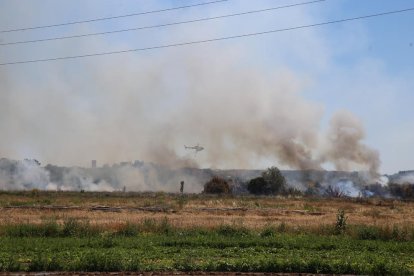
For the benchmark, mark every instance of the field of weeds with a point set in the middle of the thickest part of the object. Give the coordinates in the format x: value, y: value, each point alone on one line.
x: 199, y: 210
x: 50, y: 231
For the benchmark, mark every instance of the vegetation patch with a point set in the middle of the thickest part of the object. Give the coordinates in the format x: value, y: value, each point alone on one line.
x: 352, y: 238
x: 211, y: 251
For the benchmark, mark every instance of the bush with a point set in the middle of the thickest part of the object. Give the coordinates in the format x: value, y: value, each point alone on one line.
x: 368, y: 233
x: 46, y: 229
x: 404, y: 191
x: 231, y: 230
x: 271, y: 182
x: 341, y: 219
x: 217, y: 185
x: 74, y: 228
x: 257, y: 186
x: 70, y: 227
x: 275, y: 180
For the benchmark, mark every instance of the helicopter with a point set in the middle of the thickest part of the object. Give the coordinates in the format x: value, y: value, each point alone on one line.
x: 196, y: 148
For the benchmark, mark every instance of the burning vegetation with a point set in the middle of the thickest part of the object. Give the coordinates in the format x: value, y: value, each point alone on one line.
x: 141, y: 176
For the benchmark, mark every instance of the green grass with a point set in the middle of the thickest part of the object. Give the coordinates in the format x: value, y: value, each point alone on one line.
x: 224, y: 249
x: 82, y: 228
x: 50, y: 228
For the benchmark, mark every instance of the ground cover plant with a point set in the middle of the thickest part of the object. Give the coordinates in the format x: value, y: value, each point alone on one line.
x: 158, y: 246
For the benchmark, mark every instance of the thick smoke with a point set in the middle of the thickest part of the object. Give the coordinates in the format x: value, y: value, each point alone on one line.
x: 138, y: 176
x: 344, y: 147
x: 22, y: 175
x: 148, y: 105
x: 141, y: 176
x: 149, y: 110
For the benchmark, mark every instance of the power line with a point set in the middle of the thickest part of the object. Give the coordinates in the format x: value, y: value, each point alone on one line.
x: 161, y: 25
x: 209, y: 40
x: 111, y: 17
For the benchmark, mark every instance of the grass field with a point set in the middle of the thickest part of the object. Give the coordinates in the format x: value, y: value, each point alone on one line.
x: 50, y: 231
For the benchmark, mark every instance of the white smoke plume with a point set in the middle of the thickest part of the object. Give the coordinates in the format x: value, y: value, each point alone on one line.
x: 147, y: 105
x: 28, y: 175
x: 149, y: 110
x: 344, y: 147
x: 348, y: 188
x: 22, y: 175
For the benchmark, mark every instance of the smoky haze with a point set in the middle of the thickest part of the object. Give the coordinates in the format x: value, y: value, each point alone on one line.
x: 124, y: 110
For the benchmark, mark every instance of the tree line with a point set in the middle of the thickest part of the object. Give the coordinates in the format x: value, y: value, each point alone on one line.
x: 271, y: 182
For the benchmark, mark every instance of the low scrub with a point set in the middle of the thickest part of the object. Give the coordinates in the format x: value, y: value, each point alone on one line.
x: 76, y: 228
x: 48, y: 229
x: 217, y: 185
x: 385, y: 233
x: 232, y: 231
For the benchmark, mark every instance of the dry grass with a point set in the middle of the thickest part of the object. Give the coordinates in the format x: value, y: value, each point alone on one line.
x: 193, y: 210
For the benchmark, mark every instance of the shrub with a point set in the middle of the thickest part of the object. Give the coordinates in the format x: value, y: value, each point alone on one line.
x: 368, y: 233
x: 341, y: 219
x: 70, y: 227
x: 271, y: 182
x: 257, y: 186
x: 217, y: 185
x: 404, y: 191
x: 74, y: 228
x: 232, y: 230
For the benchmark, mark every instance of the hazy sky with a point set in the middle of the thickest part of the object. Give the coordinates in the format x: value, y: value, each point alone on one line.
x: 364, y: 67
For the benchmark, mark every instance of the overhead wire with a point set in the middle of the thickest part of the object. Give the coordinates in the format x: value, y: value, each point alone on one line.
x: 210, y: 40
x: 111, y: 17
x: 162, y: 25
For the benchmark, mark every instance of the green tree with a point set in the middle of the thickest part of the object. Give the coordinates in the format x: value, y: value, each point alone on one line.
x: 257, y: 186
x: 276, y: 182
x: 271, y: 182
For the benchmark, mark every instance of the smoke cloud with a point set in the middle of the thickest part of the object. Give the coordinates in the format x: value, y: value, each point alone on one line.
x: 126, y: 110
x: 20, y: 175
x: 148, y: 105
x: 138, y: 176
x: 344, y: 146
